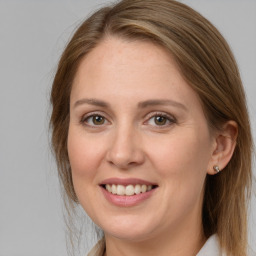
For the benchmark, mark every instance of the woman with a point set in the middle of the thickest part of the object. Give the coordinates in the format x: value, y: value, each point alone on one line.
x: 151, y: 132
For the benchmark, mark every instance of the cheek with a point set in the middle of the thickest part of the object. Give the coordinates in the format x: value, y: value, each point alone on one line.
x: 182, y: 162
x: 84, y: 156
x: 182, y: 167
x: 180, y: 154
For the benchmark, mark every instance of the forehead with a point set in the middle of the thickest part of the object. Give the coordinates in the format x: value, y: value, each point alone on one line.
x: 114, y: 57
x: 122, y: 54
x: 138, y: 69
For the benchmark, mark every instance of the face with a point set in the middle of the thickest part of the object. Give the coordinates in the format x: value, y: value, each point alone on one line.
x: 138, y: 142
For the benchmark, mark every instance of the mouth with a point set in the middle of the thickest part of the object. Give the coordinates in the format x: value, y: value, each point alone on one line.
x: 128, y: 190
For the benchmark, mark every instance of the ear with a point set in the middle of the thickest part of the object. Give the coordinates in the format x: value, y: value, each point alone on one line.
x: 223, y: 146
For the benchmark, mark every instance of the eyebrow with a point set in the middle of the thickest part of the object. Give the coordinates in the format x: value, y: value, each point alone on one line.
x: 93, y: 102
x: 156, y: 102
x: 143, y: 104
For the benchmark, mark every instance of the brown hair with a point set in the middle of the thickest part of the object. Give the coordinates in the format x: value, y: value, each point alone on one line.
x: 207, y: 64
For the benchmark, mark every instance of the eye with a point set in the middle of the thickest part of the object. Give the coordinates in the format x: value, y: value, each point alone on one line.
x: 94, y: 120
x: 160, y: 120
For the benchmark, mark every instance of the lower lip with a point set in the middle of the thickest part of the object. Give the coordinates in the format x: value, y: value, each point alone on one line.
x: 126, y: 201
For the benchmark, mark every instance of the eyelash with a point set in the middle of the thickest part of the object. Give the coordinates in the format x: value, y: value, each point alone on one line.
x: 168, y: 118
x: 84, y: 119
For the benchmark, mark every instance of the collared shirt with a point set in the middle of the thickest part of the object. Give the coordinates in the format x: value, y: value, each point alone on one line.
x: 210, y: 248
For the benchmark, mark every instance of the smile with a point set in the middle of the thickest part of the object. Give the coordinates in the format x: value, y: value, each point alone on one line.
x: 128, y: 190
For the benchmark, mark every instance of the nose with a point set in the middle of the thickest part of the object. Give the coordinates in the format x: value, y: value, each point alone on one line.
x: 125, y: 150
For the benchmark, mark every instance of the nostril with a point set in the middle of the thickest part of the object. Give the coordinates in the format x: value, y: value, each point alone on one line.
x: 122, y: 164
x: 124, y: 153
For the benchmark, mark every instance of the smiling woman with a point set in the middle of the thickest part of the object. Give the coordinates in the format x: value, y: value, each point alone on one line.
x: 151, y: 132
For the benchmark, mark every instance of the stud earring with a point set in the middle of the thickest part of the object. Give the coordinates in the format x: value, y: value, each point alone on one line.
x: 216, y: 168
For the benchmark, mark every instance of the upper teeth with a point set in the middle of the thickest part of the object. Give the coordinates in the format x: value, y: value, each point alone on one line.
x: 127, y: 190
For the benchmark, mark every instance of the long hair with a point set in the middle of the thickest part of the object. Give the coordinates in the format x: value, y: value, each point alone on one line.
x: 207, y: 64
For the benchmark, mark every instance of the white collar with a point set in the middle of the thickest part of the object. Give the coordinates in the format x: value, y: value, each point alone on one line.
x: 211, y: 247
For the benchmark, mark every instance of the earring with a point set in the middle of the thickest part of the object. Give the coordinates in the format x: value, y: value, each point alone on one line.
x: 216, y: 168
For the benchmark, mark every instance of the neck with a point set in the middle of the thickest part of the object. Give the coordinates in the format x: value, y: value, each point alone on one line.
x: 173, y: 244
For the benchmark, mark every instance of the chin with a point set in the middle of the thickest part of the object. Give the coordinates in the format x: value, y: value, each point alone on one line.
x: 128, y: 235
x: 131, y: 230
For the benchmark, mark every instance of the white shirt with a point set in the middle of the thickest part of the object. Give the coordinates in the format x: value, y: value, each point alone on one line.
x: 211, y: 247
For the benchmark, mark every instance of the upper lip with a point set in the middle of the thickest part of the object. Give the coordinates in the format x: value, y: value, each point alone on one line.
x: 126, y: 182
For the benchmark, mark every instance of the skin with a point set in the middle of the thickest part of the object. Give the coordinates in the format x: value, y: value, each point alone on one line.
x: 127, y: 142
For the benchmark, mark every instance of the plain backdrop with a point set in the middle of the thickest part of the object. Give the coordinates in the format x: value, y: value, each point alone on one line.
x: 32, y: 37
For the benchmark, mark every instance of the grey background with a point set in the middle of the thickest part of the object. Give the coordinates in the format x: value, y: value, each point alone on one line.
x: 32, y: 37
